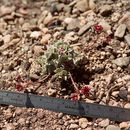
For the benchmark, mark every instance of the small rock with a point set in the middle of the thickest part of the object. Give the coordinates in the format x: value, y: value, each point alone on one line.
x: 70, y: 37
x: 82, y: 5
x: 127, y: 38
x: 21, y: 121
x: 26, y: 27
x: 105, y: 10
x: 104, y: 123
x: 112, y: 127
x: 7, y: 38
x: 73, y: 126
x: 89, y: 100
x: 18, y: 111
x: 115, y: 93
x: 60, y: 7
x: 1, y: 67
x: 115, y: 17
x: 122, y: 61
x: 85, y: 28
x: 92, y: 5
x: 48, y: 19
x: 53, y: 8
x: 83, y: 122
x: 23, y: 11
x: 10, y: 126
x: 21, y: 21
x: 40, y: 114
x: 123, y: 94
x: 27, y: 65
x: 51, y: 92
x: 8, y: 113
x: 34, y: 77
x: 126, y: 20
x: 5, y: 10
x: 89, y: 128
x: 15, y: 41
x: 123, y: 125
x: 120, y: 31
x: 45, y: 39
x: 73, y: 24
x: 35, y: 34
x: 60, y: 115
x: 105, y: 25
x: 38, y: 50
x: 127, y: 105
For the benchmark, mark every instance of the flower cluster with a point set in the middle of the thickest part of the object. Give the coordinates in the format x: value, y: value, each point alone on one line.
x: 98, y: 28
x: 85, y: 91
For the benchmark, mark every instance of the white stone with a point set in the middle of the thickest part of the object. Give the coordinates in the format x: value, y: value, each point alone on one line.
x: 36, y: 34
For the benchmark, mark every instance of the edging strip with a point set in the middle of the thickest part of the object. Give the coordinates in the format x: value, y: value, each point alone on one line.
x: 64, y: 106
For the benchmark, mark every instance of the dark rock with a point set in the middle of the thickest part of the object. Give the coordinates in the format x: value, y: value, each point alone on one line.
x: 53, y: 8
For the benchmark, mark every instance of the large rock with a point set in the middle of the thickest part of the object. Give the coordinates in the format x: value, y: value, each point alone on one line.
x: 120, y: 31
x: 126, y: 20
x: 122, y: 61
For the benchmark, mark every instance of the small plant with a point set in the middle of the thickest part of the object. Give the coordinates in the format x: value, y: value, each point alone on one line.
x: 60, y: 59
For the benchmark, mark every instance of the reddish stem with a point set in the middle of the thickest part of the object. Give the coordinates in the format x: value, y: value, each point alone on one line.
x: 33, y: 83
x: 76, y: 88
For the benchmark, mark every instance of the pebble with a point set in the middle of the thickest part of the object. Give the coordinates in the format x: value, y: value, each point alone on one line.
x: 21, y: 121
x: 115, y: 17
x: 123, y: 125
x: 104, y: 123
x: 120, y: 31
x: 10, y: 126
x: 127, y: 38
x: 48, y: 19
x: 112, y: 127
x: 85, y: 28
x: 53, y: 8
x: 73, y: 126
x: 92, y: 5
x: 122, y: 61
x: 73, y: 24
x: 89, y: 128
x: 45, y: 39
x: 115, y: 93
x: 82, y: 5
x: 18, y: 111
x: 83, y: 122
x: 35, y: 34
x: 5, y: 10
x: 51, y: 92
x: 38, y: 50
x: 7, y: 38
x: 127, y: 105
x: 34, y: 77
x: 40, y: 114
x: 105, y: 10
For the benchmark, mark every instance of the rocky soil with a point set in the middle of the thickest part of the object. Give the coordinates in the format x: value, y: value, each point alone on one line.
x: 27, y: 26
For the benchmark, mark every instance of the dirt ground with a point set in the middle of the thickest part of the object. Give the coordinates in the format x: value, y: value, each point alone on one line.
x: 28, y: 26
